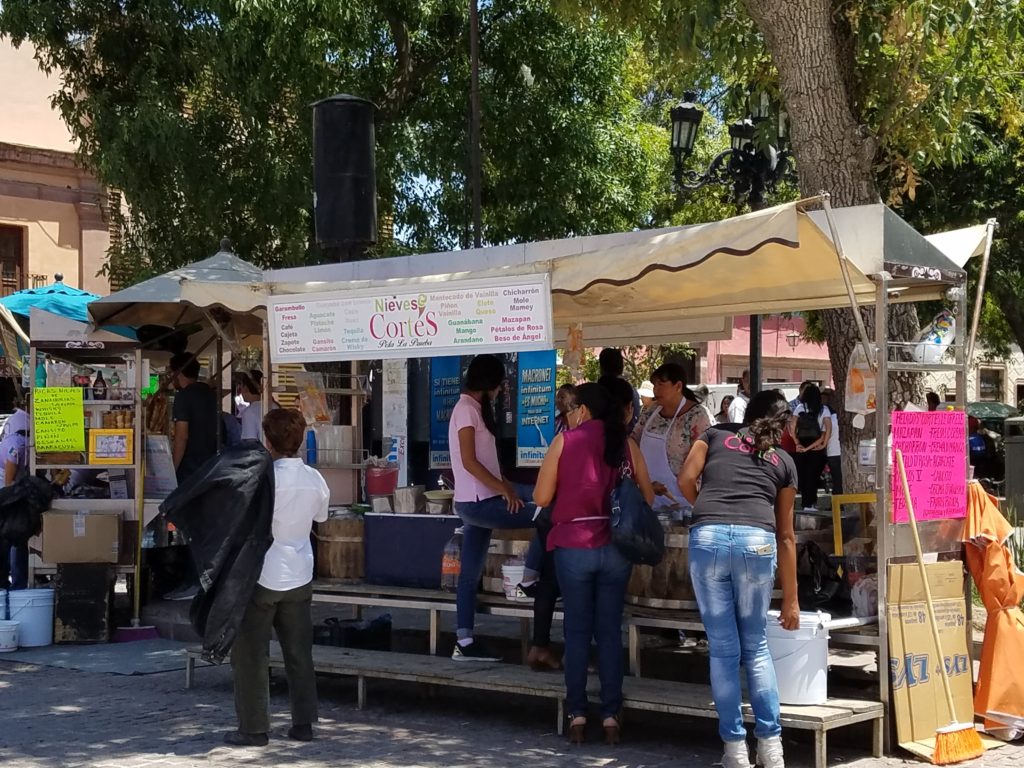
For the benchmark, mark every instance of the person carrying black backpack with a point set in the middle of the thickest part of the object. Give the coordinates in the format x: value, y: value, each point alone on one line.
x: 811, y: 427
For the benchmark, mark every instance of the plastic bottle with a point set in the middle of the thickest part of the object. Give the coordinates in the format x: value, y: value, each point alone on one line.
x: 115, y: 386
x: 451, y: 562
x: 26, y: 372
x: 99, y: 387
x: 41, y: 372
x: 311, y: 456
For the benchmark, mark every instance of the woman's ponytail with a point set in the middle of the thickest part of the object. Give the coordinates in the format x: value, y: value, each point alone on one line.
x: 766, y: 418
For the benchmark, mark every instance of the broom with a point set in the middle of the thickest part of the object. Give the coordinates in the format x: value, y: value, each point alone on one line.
x: 955, y: 742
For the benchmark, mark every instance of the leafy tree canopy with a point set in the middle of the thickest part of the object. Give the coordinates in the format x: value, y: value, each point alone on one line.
x: 199, y: 113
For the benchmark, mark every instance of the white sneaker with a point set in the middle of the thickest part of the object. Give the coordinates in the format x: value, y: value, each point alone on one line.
x: 736, y: 755
x: 769, y: 752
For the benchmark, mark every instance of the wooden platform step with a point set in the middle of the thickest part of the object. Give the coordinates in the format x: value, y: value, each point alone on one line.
x: 640, y: 693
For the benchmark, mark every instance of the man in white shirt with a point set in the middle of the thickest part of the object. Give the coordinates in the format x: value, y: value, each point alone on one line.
x: 738, y: 407
x: 283, y: 594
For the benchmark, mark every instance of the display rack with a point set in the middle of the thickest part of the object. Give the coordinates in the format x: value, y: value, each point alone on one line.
x: 67, y: 341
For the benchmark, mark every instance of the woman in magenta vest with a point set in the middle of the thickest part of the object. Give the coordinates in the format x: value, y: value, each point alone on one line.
x: 579, y: 472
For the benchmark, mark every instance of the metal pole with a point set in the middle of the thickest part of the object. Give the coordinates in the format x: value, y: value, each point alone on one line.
x: 755, y: 355
x: 475, y: 160
x: 979, y: 299
x: 885, y: 530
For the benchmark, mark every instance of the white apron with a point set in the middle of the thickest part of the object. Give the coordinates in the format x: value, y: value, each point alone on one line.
x: 654, y: 448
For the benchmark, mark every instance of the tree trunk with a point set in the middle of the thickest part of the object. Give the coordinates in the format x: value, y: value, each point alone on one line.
x: 811, y: 47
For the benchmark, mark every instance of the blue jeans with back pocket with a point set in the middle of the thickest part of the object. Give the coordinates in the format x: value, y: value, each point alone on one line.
x: 733, y: 569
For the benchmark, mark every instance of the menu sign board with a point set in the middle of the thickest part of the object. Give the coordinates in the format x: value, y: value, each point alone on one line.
x: 934, y: 446
x: 58, y: 419
x: 463, y: 318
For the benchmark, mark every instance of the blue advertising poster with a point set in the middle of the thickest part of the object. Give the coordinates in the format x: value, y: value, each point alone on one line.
x: 536, y: 413
x: 445, y: 385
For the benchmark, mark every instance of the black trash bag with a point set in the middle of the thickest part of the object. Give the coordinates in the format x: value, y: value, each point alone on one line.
x: 373, y: 635
x: 820, y: 583
x: 636, y: 529
x: 21, y: 509
x: 225, y: 509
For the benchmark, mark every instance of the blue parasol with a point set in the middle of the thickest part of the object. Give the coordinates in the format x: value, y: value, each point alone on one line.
x: 57, y: 298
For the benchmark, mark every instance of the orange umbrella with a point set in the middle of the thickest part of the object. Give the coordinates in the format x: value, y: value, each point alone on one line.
x: 999, y: 697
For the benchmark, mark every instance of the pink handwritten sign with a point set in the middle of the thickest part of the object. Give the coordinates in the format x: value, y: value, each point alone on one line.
x: 934, y: 446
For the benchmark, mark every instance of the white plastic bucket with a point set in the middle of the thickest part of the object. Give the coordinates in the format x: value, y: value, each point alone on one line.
x: 33, y: 610
x: 511, y: 577
x: 800, y: 658
x: 8, y: 636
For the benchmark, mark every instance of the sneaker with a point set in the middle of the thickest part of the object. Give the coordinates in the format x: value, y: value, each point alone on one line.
x: 239, y: 739
x: 528, y: 590
x: 769, y: 752
x: 301, y: 732
x: 522, y: 596
x: 473, y: 652
x: 183, y: 593
x: 736, y: 755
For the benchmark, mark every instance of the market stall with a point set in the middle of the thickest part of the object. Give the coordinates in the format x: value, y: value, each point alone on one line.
x: 645, y: 287
x: 85, y: 436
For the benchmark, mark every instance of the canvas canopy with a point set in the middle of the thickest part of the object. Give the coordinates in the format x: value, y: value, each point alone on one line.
x: 224, y: 285
x: 681, y: 282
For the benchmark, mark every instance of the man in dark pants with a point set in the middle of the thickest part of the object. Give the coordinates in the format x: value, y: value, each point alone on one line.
x: 283, y: 595
x: 195, y: 440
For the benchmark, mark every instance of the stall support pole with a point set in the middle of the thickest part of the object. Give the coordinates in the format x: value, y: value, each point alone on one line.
x: 755, y: 377
x: 268, y: 373
x: 883, y: 526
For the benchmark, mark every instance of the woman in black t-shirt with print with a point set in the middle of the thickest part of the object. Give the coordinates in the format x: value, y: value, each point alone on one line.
x: 742, y: 525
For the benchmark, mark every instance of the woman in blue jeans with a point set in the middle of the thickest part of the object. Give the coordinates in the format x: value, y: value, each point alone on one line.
x: 743, y: 525
x: 483, y: 498
x: 579, y: 472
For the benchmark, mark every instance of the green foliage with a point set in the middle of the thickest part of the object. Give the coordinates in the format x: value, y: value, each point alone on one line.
x: 199, y: 113
x: 638, y: 362
x: 985, y: 186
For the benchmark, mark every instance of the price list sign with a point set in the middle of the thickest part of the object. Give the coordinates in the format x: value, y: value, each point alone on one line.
x: 934, y: 446
x: 58, y: 419
x: 459, y: 318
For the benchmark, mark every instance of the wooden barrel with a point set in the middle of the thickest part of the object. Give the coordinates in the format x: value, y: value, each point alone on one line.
x: 339, y: 548
x: 505, y: 545
x: 667, y: 584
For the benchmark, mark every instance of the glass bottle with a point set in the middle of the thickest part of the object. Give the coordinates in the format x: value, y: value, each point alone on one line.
x: 99, y: 387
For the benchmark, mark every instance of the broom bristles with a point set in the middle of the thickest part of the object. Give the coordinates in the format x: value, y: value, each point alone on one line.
x: 956, y: 743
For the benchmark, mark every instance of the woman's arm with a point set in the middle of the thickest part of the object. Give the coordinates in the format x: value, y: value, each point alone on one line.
x: 640, y: 473
x: 467, y: 447
x: 785, y: 541
x: 10, y: 473
x: 692, y: 470
x: 826, y: 434
x: 547, y: 478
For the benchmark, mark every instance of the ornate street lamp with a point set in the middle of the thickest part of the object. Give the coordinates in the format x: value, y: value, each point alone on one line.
x: 792, y: 338
x: 748, y: 168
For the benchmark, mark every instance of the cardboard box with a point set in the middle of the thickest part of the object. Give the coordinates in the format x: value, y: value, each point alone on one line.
x: 918, y: 700
x: 81, y: 537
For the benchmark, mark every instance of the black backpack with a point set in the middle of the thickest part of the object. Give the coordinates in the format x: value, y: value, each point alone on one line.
x: 808, y: 430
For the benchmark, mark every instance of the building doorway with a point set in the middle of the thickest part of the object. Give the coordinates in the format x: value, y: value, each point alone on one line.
x: 12, y: 259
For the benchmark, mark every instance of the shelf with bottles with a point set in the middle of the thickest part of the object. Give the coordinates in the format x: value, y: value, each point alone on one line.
x: 101, y: 383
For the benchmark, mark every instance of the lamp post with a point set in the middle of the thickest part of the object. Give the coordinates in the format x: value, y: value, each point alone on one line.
x: 750, y: 167
x: 792, y: 338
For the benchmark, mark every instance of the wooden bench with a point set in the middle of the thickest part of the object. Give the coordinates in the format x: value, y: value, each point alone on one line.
x: 640, y: 694
x: 435, y: 602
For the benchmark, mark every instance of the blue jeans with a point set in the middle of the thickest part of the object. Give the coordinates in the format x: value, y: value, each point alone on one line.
x: 13, y: 564
x: 732, y: 568
x: 593, y: 584
x: 479, y: 518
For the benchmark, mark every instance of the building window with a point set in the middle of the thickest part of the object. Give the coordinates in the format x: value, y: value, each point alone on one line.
x: 991, y: 384
x: 12, y: 256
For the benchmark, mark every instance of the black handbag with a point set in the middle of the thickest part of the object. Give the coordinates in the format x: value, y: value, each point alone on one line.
x: 636, y: 529
x: 820, y: 583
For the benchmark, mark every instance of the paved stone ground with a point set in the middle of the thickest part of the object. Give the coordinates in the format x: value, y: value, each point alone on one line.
x: 57, y: 718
